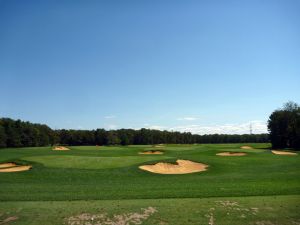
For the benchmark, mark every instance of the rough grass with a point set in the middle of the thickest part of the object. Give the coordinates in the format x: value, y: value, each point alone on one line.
x: 267, y: 210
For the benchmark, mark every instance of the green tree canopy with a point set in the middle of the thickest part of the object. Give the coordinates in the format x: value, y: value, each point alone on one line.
x: 284, y: 126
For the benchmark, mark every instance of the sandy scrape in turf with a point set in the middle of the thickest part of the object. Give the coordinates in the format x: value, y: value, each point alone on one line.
x: 246, y: 147
x: 104, y: 219
x: 231, y: 209
x: 151, y: 152
x: 8, y: 219
x: 234, y: 206
x: 231, y: 154
x: 264, y: 222
x: 60, y: 148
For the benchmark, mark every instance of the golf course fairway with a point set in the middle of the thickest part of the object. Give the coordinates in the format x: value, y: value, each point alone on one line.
x: 104, y: 185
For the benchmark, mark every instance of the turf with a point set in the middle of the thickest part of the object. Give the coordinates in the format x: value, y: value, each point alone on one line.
x: 267, y: 210
x: 101, y: 174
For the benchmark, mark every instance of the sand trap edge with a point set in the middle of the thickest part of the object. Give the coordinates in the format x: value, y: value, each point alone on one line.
x: 151, y: 153
x: 15, y: 169
x: 246, y: 147
x: 60, y: 148
x: 283, y: 153
x: 231, y: 154
x: 8, y: 164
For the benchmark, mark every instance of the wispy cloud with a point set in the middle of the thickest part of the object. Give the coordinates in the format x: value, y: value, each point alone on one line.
x: 188, y: 118
x: 237, y: 128
x: 109, y: 117
x: 243, y: 128
x: 111, y: 126
x: 157, y: 127
x: 152, y: 127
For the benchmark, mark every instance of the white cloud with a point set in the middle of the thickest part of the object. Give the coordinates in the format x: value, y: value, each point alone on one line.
x: 188, y: 118
x: 157, y: 127
x: 258, y: 127
x: 244, y: 128
x: 111, y: 126
x: 109, y: 117
x: 148, y: 126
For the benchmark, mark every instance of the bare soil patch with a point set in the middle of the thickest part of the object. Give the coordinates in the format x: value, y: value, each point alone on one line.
x: 231, y: 154
x: 8, y: 219
x: 9, y: 164
x: 60, y: 148
x: 151, y: 152
x: 283, y: 153
x: 181, y: 167
x: 246, y: 147
x: 15, y: 169
x: 117, y: 219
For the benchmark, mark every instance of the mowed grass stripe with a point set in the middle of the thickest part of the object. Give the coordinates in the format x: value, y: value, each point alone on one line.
x: 89, y: 162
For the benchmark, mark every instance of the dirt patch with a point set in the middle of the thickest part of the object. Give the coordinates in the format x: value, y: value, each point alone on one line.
x: 15, y: 169
x: 231, y: 154
x: 5, y: 165
x: 181, y: 167
x: 283, y: 153
x: 8, y: 219
x: 60, y: 148
x: 246, y: 147
x: 103, y: 218
x: 151, y: 152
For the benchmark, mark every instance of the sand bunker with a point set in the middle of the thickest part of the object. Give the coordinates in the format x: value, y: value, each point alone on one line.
x: 246, y: 147
x: 60, y: 148
x: 182, y: 167
x: 231, y: 154
x: 283, y: 153
x: 12, y: 167
x: 4, y: 165
x: 151, y: 152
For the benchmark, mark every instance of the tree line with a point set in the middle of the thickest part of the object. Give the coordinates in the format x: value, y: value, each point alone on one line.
x: 17, y: 133
x: 284, y: 126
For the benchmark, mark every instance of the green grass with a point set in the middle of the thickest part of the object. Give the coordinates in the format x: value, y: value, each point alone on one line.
x: 267, y: 210
x: 110, y: 175
x: 90, y: 162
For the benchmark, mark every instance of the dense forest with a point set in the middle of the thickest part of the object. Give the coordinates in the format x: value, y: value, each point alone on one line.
x: 16, y: 133
x: 284, y: 126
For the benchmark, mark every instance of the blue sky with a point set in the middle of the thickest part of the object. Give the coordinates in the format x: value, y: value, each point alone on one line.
x: 199, y: 66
